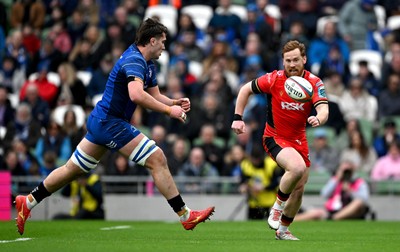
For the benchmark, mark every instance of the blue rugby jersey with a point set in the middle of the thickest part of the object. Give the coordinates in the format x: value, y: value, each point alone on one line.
x: 115, y: 102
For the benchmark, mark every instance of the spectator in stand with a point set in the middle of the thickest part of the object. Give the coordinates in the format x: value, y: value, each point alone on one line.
x: 15, y: 49
x: 180, y: 67
x: 185, y: 23
x: 24, y: 127
x: 211, y: 111
x: 259, y: 181
x: 6, y: 110
x: 224, y: 19
x: 178, y: 155
x: 214, y: 150
x: 357, y: 22
x: 334, y: 85
x: 257, y: 22
x: 30, y: 40
x: 221, y: 61
x: 232, y: 159
x: 342, y: 140
x: 134, y: 10
x: 47, y: 90
x: 330, y: 7
x: 99, y: 78
x: 11, y: 164
x: 335, y: 62
x: 60, y: 37
x: 48, y: 55
x: 296, y: 31
x: 25, y: 157
x: 71, y: 128
x: 321, y: 45
x: 11, y: 76
x: 324, y: 157
x: 72, y: 90
x: 86, y: 194
x: 27, y: 11
x: 57, y: 15
x: 387, y: 167
x: 304, y: 12
x: 159, y: 135
x: 90, y: 10
x: 382, y: 141
x: 363, y: 155
x: 76, y: 26
x: 389, y: 98
x: 346, y: 195
x: 56, y: 141
x: 127, y: 28
x: 370, y: 82
x: 39, y: 107
x: 87, y: 52
x: 393, y: 66
x: 198, y: 167
x: 113, y: 35
x: 357, y: 103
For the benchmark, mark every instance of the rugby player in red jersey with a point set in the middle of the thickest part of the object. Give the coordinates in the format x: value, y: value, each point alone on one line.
x: 284, y: 136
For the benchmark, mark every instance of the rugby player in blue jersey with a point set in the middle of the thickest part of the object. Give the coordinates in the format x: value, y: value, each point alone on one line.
x: 131, y: 82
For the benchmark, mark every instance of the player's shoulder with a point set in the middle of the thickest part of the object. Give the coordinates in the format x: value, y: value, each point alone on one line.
x: 312, y: 78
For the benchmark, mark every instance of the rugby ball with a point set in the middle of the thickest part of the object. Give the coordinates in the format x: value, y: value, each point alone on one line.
x: 299, y: 89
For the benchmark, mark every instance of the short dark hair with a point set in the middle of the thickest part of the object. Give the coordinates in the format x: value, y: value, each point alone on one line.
x: 148, y: 29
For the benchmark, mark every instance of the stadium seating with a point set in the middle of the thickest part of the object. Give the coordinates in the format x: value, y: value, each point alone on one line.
x: 58, y: 114
x: 200, y: 14
x: 374, y: 59
x: 168, y: 16
x: 84, y: 76
x: 393, y: 22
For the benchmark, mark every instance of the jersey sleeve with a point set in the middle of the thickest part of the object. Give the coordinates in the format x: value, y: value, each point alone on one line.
x: 264, y: 83
x: 134, y: 69
x: 319, y: 93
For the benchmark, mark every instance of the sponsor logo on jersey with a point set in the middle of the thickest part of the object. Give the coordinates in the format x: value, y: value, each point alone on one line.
x: 111, y: 145
x: 292, y: 105
x: 321, y: 92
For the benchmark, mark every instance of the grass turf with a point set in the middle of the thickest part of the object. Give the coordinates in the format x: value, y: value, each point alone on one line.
x: 94, y: 236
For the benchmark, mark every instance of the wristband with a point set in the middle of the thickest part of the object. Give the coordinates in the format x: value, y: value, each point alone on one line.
x: 167, y: 110
x: 174, y: 102
x: 237, y: 117
x: 319, y: 122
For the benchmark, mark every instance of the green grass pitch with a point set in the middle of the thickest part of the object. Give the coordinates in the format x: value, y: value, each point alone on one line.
x: 94, y: 236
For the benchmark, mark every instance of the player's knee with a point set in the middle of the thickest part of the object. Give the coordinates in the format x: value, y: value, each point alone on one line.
x: 143, y: 151
x: 83, y: 160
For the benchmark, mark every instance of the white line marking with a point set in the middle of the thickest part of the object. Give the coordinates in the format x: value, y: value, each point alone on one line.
x: 16, y: 240
x: 116, y: 227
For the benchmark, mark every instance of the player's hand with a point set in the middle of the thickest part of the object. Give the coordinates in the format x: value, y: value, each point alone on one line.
x: 177, y: 112
x: 184, y: 103
x: 313, y: 121
x: 238, y: 127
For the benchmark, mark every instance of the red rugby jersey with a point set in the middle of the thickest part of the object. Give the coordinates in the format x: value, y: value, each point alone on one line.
x: 287, y: 118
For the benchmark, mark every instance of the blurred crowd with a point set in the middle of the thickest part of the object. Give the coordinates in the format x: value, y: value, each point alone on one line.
x: 56, y: 56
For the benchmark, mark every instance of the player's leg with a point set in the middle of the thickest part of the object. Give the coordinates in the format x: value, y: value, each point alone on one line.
x: 145, y: 152
x: 291, y: 189
x: 84, y: 159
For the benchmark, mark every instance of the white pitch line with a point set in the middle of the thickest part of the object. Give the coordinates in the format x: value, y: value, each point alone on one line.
x: 114, y: 228
x: 16, y: 240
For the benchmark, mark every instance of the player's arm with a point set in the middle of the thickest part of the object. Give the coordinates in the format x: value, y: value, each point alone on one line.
x: 322, y: 115
x: 145, y: 100
x: 183, y: 102
x: 245, y: 91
